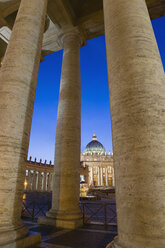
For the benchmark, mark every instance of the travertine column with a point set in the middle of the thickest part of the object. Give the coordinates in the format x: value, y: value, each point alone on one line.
x: 98, y: 176
x: 34, y: 181
x: 113, y: 178
x: 28, y: 181
x: 137, y: 97
x: 48, y: 182
x: 51, y: 181
x: 18, y: 77
x: 91, y: 177
x: 39, y: 182
x: 101, y: 176
x: 44, y: 182
x: 65, y: 210
x: 106, y: 176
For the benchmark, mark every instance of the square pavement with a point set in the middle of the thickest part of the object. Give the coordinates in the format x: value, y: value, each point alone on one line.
x: 86, y: 237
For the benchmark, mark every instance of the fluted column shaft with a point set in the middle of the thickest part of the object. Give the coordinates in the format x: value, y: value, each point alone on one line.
x: 18, y: 77
x: 66, y: 181
x: 137, y: 99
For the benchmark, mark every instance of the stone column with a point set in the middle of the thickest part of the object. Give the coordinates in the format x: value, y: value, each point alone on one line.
x: 39, y: 182
x: 91, y: 177
x: 31, y: 180
x: 137, y: 99
x: 18, y: 77
x: 28, y: 181
x: 65, y: 210
x: 51, y: 181
x: 44, y: 181
x: 34, y: 181
x: 106, y: 176
x: 101, y: 176
x: 48, y: 182
x: 113, y: 178
x: 98, y: 176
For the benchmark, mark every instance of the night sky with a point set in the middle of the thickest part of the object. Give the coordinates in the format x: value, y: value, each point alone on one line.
x: 95, y: 110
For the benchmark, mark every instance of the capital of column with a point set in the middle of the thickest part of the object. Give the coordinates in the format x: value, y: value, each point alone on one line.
x: 47, y: 23
x: 72, y: 35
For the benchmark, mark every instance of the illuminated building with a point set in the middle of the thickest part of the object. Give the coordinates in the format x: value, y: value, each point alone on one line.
x: 96, y: 169
x: 99, y: 163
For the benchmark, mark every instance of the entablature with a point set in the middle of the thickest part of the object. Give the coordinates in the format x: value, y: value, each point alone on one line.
x: 86, y: 14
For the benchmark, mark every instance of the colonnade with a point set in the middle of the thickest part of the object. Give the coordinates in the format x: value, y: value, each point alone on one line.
x: 18, y: 79
x: 137, y: 96
x: 101, y: 176
x: 137, y: 100
x: 38, y: 181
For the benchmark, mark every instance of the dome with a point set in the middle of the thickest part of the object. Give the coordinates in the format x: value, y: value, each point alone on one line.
x: 94, y: 147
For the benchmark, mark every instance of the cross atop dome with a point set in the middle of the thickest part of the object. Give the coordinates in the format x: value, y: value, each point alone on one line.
x: 94, y: 137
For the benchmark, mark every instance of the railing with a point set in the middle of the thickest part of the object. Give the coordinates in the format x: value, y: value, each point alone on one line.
x: 100, y: 213
x: 97, y: 213
x: 35, y: 208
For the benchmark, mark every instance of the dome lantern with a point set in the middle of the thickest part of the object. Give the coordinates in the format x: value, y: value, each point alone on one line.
x: 94, y: 137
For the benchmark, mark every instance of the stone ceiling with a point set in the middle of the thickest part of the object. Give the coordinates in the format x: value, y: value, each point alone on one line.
x: 87, y: 14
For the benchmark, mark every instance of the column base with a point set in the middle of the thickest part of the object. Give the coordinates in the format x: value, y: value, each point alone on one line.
x: 63, y: 219
x: 61, y: 223
x: 19, y: 238
x: 29, y: 241
x: 114, y: 243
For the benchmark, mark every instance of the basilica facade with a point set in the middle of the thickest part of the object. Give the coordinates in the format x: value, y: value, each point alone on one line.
x: 96, y: 169
x: 99, y: 164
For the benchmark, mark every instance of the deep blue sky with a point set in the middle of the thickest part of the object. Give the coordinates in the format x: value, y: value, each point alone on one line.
x: 95, y: 97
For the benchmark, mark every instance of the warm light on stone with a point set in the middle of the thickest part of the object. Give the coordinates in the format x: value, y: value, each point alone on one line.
x: 18, y: 78
x: 137, y: 99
